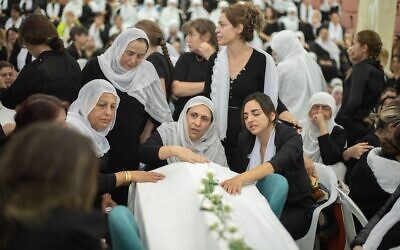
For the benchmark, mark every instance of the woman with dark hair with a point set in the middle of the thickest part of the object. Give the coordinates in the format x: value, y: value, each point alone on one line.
x: 54, y: 72
x: 79, y: 36
x: 238, y: 70
x: 362, y: 88
x: 139, y: 89
x: 190, y: 69
x: 48, y: 180
x: 271, y: 24
x: 266, y: 147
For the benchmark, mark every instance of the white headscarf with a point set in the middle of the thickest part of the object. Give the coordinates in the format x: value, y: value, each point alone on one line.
x: 197, y: 10
x: 386, y: 171
x: 299, y: 75
x: 291, y: 22
x: 220, y: 86
x: 310, y: 132
x: 330, y: 47
x: 80, y: 109
x: 142, y: 82
x: 170, y: 15
x: 176, y: 133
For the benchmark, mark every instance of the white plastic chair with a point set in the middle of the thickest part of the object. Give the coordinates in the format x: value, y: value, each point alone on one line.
x: 327, y: 178
x: 349, y: 208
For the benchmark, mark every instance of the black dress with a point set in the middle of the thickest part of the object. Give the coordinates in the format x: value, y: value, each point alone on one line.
x: 148, y: 152
x: 331, y: 146
x: 52, y: 73
x: 72, y: 51
x: 360, y: 95
x: 329, y: 72
x: 124, y: 138
x: 288, y: 161
x: 188, y: 68
x: 249, y: 80
x: 161, y: 65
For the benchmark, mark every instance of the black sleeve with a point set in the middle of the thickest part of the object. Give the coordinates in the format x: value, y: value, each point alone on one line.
x: 288, y: 154
x: 90, y: 71
x: 107, y: 183
x: 359, y: 78
x: 331, y: 146
x: 158, y: 65
x: 148, y: 152
x: 209, y: 73
x: 23, y: 87
x: 362, y: 236
x: 281, y: 107
x: 181, y: 68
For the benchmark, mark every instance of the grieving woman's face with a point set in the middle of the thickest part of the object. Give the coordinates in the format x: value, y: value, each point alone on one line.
x: 134, y: 53
x: 198, y: 119
x: 325, y: 110
x: 256, y: 121
x: 103, y: 112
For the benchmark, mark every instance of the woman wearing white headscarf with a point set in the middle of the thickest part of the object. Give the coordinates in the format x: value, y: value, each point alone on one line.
x: 197, y: 10
x: 170, y: 15
x: 148, y: 11
x: 323, y: 139
x: 193, y: 138
x: 93, y: 114
x: 139, y: 89
x: 299, y: 75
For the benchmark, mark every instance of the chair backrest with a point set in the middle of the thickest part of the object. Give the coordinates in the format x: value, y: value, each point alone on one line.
x: 274, y: 187
x: 349, y: 208
x: 123, y: 229
x: 326, y: 177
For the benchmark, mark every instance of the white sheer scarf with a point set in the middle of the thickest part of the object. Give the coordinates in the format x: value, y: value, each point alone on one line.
x: 176, y: 133
x: 299, y: 75
x: 382, y: 227
x: 330, y: 47
x: 386, y: 171
x: 142, y: 82
x: 80, y: 109
x: 220, y: 86
x: 255, y: 155
x: 311, y: 132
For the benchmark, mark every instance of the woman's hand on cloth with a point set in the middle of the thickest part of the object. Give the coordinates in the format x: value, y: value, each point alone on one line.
x: 234, y: 185
x: 143, y: 176
x: 187, y: 155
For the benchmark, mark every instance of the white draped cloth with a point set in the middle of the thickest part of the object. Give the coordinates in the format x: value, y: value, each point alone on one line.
x: 220, y: 86
x: 78, y: 112
x: 299, y: 75
x: 169, y: 217
x: 208, y: 145
x: 141, y: 82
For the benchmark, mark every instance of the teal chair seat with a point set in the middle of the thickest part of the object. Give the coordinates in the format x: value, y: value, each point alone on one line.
x: 275, y: 188
x: 123, y: 229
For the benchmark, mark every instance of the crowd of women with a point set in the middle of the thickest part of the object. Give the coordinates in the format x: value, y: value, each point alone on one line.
x: 81, y: 137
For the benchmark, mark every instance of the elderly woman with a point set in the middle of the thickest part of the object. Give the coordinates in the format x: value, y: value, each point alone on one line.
x: 139, y: 89
x: 323, y: 139
x: 93, y: 114
x: 193, y: 138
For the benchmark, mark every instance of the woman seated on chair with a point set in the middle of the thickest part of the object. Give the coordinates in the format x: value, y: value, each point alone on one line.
x: 193, y: 138
x: 382, y: 230
x: 47, y: 185
x: 93, y: 114
x: 376, y: 176
x: 267, y: 147
x: 323, y: 139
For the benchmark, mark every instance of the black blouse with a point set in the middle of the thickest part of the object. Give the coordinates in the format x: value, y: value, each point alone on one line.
x: 161, y: 65
x: 331, y: 146
x: 148, y: 152
x: 188, y: 68
x: 52, y: 73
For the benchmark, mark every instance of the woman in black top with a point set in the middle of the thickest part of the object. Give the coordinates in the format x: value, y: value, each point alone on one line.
x: 268, y: 147
x: 54, y: 72
x: 271, y: 24
x: 78, y: 35
x: 362, y: 88
x: 190, y: 69
x: 238, y: 70
x: 139, y: 90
